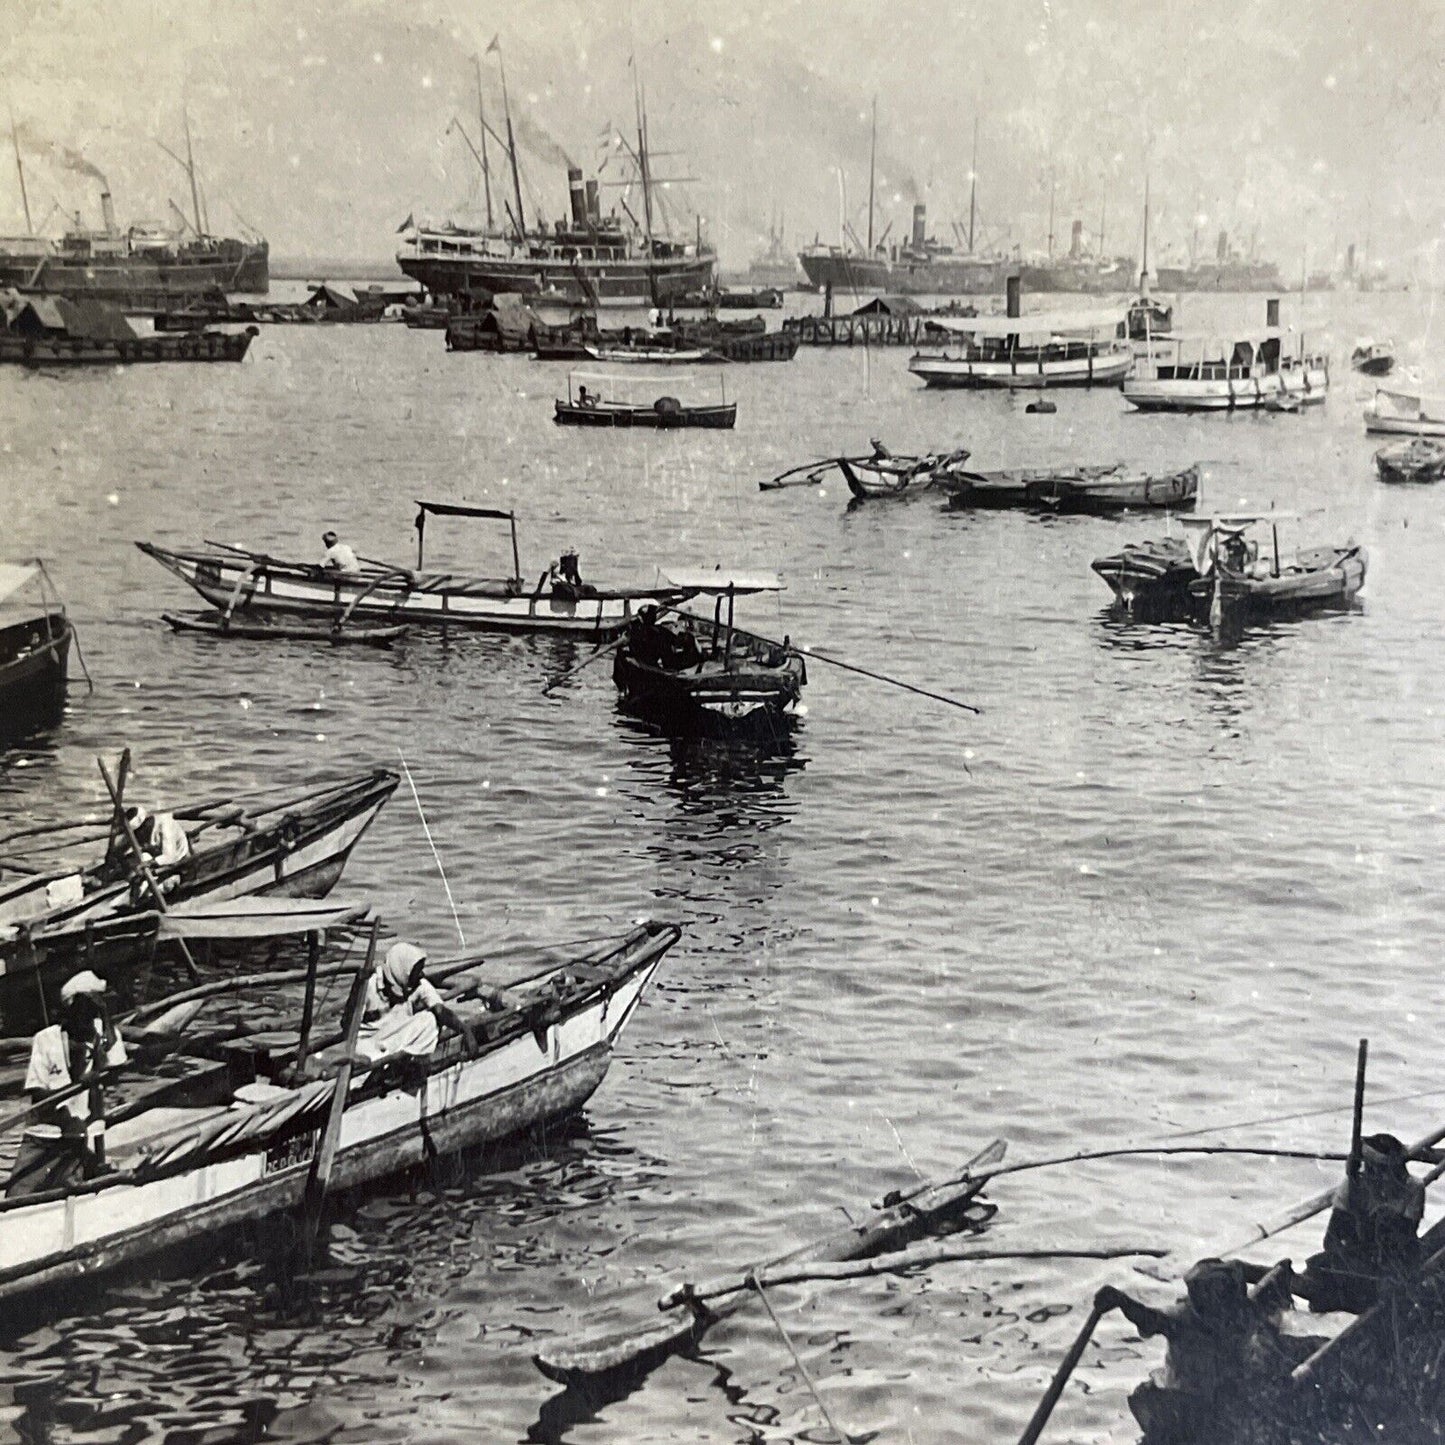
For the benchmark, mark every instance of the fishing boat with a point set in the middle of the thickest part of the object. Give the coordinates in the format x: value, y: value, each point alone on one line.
x: 1398, y: 413
x: 1099, y: 490
x: 1236, y: 582
x: 884, y: 475
x: 228, y: 1129
x: 258, y: 628
x: 1210, y: 373
x: 1028, y: 352
x: 701, y: 674
x: 1417, y: 460
x: 235, y: 580
x: 76, y: 890
x: 589, y: 406
x: 34, y: 654
x: 1373, y: 358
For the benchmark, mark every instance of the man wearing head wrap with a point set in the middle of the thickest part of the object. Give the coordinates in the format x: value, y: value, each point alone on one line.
x: 162, y: 839
x: 1217, y: 1339
x: 402, y: 1011
x: 65, y: 1142
x: 1373, y: 1234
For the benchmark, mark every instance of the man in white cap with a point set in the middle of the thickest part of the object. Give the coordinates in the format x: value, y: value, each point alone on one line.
x: 338, y: 557
x: 402, y: 1011
x: 65, y: 1141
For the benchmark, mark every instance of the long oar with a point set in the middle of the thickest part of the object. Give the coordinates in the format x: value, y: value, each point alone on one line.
x: 431, y: 843
x: 586, y: 662
x: 1040, y: 1417
x: 144, y: 867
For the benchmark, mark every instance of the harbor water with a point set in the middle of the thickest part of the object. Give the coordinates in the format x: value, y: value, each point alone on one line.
x: 1158, y: 888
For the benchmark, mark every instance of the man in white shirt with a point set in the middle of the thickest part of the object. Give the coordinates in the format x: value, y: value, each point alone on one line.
x: 338, y: 557
x: 65, y: 1142
x: 402, y: 1010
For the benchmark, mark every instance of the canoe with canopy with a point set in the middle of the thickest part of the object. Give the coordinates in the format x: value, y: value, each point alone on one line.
x: 233, y: 1126
x: 236, y: 581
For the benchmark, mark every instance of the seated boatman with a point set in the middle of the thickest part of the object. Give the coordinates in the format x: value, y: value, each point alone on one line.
x: 402, y: 1010
x: 338, y: 557
x: 1217, y: 1341
x: 65, y: 1143
x: 163, y: 842
x: 1372, y: 1237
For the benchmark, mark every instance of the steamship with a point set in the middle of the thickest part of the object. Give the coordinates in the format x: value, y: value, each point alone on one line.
x: 1229, y: 271
x: 922, y: 267
x: 137, y: 267
x: 588, y: 258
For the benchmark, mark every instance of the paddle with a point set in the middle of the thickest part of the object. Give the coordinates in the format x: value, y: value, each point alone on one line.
x: 586, y: 662
x: 141, y: 864
x: 320, y: 1175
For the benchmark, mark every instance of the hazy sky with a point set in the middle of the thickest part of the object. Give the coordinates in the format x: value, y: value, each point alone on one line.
x: 323, y: 123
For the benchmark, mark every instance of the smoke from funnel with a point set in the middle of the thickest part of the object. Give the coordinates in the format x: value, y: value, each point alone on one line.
x: 50, y: 150
x: 538, y: 141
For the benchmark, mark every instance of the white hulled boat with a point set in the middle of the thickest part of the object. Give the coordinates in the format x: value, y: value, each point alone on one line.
x: 1399, y: 413
x: 1211, y: 373
x: 1029, y: 352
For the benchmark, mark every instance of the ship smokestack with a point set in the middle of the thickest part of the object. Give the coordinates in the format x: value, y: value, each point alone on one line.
x: 1076, y: 241
x: 1013, y: 286
x: 920, y: 225
x: 1221, y: 248
x: 1271, y: 313
x: 107, y: 211
x: 594, y: 204
x: 1350, y: 260
x: 579, y: 196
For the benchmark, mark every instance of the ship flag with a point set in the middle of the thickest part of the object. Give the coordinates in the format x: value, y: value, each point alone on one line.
x: 495, y: 45
x: 408, y: 224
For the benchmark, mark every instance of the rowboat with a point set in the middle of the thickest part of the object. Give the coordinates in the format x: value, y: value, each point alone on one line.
x: 654, y: 355
x: 1232, y: 373
x: 54, y: 914
x: 1151, y: 578
x: 194, y: 1150
x: 1028, y: 352
x: 1418, y: 460
x: 1373, y: 358
x: 34, y: 655
x: 1091, y: 489
x: 608, y: 1365
x: 235, y: 580
x: 699, y: 674
x: 1398, y: 413
x: 257, y: 629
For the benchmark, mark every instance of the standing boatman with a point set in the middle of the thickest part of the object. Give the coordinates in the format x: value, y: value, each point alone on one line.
x: 66, y: 1142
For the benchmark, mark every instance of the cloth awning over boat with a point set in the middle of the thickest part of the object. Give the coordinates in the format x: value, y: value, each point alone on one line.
x: 1200, y: 533
x: 15, y: 575
x: 454, y: 509
x: 1102, y: 321
x: 1408, y: 404
x: 257, y: 918
x: 720, y: 581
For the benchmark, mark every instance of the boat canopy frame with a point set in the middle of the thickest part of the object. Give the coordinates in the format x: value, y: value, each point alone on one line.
x: 456, y: 509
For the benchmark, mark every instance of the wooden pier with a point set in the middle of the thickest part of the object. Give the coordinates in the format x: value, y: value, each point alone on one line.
x: 875, y: 330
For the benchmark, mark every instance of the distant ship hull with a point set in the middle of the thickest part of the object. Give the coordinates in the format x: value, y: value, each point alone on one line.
x: 1233, y: 276
x: 938, y: 277
x: 137, y: 277
x: 620, y: 282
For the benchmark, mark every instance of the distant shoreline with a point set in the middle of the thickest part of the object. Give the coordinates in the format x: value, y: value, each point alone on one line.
x: 334, y: 268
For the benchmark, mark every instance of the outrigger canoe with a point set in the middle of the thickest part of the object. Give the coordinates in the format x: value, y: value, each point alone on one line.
x: 886, y: 476
x: 93, y: 911
x: 230, y: 1129
x: 236, y: 580
x: 258, y: 629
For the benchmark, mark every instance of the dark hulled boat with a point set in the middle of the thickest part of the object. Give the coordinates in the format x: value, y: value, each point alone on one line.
x: 696, y: 674
x: 34, y: 657
x: 1097, y: 490
x: 1417, y: 460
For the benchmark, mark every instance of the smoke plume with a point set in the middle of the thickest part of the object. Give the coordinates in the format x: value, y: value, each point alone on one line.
x: 61, y: 155
x: 531, y: 134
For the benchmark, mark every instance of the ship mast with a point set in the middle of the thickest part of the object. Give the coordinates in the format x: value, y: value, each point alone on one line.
x: 191, y: 171
x: 973, y: 186
x: 1053, y: 184
x: 872, y: 168
x: 1144, y: 269
x: 20, y: 170
x: 643, y: 167
x: 511, y: 143
x: 482, y: 121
